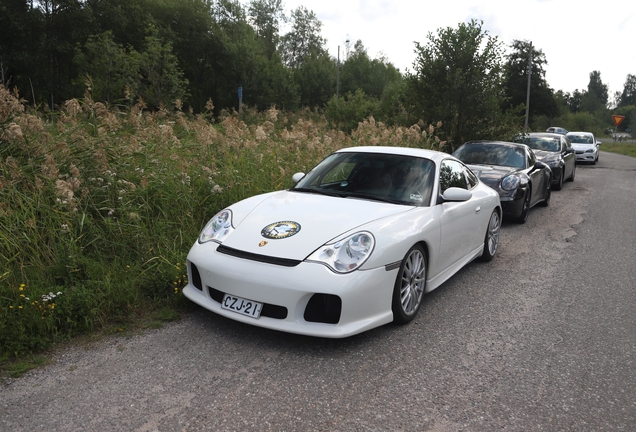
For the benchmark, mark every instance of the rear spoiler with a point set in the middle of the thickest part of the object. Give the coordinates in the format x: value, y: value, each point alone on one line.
x: 478, y: 169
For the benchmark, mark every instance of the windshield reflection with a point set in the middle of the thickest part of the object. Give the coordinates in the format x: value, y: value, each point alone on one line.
x: 391, y: 178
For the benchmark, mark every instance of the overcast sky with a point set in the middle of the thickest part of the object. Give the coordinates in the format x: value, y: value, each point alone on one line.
x: 576, y: 36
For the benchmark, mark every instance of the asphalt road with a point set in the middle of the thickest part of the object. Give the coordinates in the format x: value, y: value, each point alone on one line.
x: 540, y: 339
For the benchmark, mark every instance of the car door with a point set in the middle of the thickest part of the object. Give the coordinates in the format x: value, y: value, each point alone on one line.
x: 537, y: 178
x: 458, y: 219
x: 569, y: 157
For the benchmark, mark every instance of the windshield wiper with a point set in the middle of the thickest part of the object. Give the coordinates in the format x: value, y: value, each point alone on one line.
x: 371, y: 197
x: 316, y: 191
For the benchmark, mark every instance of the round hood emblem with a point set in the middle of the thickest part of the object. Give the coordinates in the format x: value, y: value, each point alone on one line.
x: 280, y: 230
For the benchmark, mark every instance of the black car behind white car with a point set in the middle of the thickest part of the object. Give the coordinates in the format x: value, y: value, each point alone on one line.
x: 556, y: 151
x: 511, y: 169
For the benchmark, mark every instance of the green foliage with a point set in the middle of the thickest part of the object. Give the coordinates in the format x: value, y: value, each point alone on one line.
x: 458, y: 78
x: 304, y: 41
x: 627, y: 149
x: 542, y: 101
x: 583, y: 121
x: 315, y: 78
x: 596, y: 97
x: 162, y: 81
x: 370, y: 76
x: 266, y: 16
x: 628, y: 96
x: 108, y: 67
x: 346, y: 112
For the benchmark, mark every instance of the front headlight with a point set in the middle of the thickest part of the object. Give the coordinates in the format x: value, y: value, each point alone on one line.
x: 217, y: 228
x: 589, y: 151
x: 554, y: 163
x: 346, y: 255
x: 510, y: 182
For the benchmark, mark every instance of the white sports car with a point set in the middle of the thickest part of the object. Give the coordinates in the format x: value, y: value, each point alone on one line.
x: 353, y: 245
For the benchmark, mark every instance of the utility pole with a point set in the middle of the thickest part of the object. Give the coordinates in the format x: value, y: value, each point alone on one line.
x: 338, y: 76
x: 528, y: 91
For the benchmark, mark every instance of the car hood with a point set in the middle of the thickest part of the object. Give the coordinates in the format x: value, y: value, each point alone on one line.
x: 320, y: 219
x: 546, y: 156
x: 492, y: 174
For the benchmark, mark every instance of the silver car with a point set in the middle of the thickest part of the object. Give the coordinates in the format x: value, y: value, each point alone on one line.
x: 558, y: 130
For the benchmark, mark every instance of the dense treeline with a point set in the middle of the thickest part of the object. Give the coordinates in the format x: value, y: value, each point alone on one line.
x: 197, y: 53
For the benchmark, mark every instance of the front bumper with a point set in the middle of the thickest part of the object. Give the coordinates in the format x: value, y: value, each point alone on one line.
x: 365, y: 295
x: 556, y: 174
x: 585, y: 157
x: 513, y: 206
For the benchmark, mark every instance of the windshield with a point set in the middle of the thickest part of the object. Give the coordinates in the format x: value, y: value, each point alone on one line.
x: 580, y: 139
x: 543, y: 143
x: 491, y: 154
x: 383, y: 177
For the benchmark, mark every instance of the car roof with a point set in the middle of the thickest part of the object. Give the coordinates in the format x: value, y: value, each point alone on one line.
x: 580, y: 133
x: 404, y: 151
x: 544, y: 134
x: 499, y: 143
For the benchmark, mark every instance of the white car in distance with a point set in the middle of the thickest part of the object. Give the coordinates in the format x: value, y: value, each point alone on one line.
x: 585, y: 145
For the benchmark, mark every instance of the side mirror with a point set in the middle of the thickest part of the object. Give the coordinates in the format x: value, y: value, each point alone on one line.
x: 455, y: 194
x: 297, y: 177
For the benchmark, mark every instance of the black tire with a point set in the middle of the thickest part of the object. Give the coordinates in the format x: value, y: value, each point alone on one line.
x: 559, y: 185
x: 573, y: 173
x: 523, y: 217
x: 491, y: 242
x: 547, y: 195
x: 410, y: 285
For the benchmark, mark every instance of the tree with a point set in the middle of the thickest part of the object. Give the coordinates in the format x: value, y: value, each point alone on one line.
x: 47, y: 34
x: 346, y: 112
x: 304, y: 38
x: 266, y: 16
x: 574, y: 100
x: 316, y: 78
x: 628, y: 96
x: 108, y: 66
x: 127, y: 20
x: 458, y: 79
x: 370, y: 76
x: 542, y: 101
x: 19, y: 22
x: 596, y: 97
x: 162, y: 81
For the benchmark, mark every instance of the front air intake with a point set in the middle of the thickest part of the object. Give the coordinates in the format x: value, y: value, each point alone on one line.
x: 323, y: 308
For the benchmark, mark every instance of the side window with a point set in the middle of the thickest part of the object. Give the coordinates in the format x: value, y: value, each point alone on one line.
x: 471, y: 178
x: 451, y: 174
x: 531, y: 158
